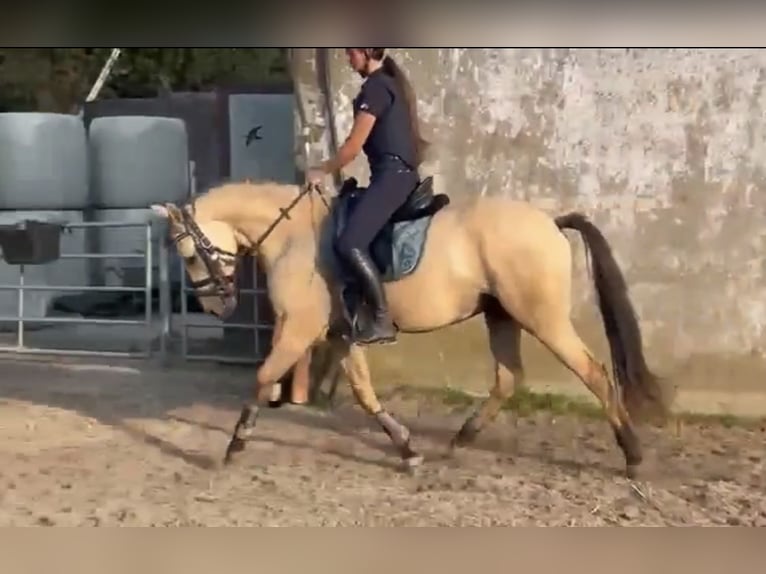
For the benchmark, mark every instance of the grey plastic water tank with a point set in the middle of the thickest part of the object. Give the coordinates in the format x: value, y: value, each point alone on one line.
x: 131, y: 272
x: 137, y: 160
x: 43, y: 161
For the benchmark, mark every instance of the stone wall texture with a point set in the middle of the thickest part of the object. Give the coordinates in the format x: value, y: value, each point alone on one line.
x: 665, y: 149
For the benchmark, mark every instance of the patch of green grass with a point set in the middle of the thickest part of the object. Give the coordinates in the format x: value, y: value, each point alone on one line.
x: 526, y: 402
x: 447, y: 396
x: 457, y: 398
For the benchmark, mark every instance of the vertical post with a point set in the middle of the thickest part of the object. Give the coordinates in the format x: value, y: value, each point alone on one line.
x: 164, y: 295
x: 192, y: 178
x: 256, y: 312
x: 182, y: 276
x: 184, y: 316
x: 148, y: 261
x: 20, y: 324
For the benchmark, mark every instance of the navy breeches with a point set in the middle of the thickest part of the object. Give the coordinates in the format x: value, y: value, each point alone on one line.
x: 387, y: 191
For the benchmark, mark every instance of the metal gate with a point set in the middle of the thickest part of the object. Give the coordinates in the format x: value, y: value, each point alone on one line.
x: 155, y: 330
x: 243, y: 341
x: 139, y: 334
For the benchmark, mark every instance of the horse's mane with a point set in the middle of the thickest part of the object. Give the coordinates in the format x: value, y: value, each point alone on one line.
x: 245, y: 190
x: 238, y: 195
x: 241, y: 194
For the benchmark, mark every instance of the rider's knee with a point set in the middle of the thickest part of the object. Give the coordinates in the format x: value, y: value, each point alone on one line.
x: 345, y: 244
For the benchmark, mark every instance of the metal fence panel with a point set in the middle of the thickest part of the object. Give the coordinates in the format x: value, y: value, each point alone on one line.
x: 145, y: 335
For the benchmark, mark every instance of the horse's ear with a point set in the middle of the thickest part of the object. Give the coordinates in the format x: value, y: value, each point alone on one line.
x: 160, y: 210
x: 169, y: 211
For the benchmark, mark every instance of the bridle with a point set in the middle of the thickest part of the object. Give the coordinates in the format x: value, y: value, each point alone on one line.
x: 218, y: 283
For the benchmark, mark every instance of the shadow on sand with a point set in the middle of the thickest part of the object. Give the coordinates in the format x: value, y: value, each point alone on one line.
x: 123, y: 397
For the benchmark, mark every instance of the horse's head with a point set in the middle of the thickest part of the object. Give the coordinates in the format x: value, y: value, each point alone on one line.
x: 209, y: 250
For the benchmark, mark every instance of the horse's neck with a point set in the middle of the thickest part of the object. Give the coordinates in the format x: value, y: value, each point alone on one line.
x: 299, y: 234
x: 270, y: 225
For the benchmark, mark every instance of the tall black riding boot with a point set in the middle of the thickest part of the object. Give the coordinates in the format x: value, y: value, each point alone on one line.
x: 381, y: 329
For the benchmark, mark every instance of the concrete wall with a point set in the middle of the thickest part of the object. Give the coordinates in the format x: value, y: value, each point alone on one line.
x: 664, y: 148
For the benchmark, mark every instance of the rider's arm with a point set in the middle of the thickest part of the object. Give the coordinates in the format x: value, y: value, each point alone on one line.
x: 362, y: 127
x: 373, y: 100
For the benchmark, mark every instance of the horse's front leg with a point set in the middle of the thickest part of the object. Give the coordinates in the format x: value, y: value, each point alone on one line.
x: 288, y: 347
x: 354, y: 364
x: 299, y: 383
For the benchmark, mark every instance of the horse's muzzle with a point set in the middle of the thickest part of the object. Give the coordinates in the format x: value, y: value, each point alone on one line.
x: 229, y: 306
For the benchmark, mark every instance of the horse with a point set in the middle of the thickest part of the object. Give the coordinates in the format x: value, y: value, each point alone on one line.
x: 442, y: 263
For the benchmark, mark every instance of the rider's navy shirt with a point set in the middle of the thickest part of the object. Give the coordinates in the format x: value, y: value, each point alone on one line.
x: 391, y: 135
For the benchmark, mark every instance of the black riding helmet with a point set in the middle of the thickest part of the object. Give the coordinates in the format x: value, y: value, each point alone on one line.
x: 373, y: 53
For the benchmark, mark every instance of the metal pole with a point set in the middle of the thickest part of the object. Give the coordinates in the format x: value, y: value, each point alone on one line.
x: 20, y: 324
x: 184, y: 307
x: 105, y: 71
x: 306, y: 134
x: 184, y: 317
x: 192, y: 178
x: 148, y: 289
x: 256, y: 314
x: 165, y: 298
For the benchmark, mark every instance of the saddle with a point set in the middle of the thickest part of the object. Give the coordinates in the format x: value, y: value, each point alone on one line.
x: 398, y: 247
x: 421, y: 202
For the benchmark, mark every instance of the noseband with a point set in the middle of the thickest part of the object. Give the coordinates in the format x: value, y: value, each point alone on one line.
x: 217, y: 283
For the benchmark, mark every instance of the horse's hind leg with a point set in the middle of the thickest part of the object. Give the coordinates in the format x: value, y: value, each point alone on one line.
x: 562, y: 339
x: 505, y: 345
x: 353, y: 361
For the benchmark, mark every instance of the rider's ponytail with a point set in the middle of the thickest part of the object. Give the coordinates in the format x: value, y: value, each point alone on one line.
x: 391, y: 68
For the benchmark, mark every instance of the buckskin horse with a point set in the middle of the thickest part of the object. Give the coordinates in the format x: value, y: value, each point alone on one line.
x: 442, y: 264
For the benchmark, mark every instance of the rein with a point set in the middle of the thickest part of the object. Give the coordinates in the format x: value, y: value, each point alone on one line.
x: 284, y: 212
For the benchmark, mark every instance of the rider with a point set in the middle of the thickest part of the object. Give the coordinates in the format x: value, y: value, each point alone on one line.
x: 386, y: 129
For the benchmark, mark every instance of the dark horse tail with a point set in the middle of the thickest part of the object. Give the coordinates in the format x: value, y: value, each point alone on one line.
x: 641, y: 389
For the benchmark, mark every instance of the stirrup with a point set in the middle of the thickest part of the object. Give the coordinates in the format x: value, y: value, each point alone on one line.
x: 377, y: 340
x: 374, y: 335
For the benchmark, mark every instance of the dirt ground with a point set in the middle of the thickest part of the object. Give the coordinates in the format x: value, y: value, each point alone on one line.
x: 86, y: 445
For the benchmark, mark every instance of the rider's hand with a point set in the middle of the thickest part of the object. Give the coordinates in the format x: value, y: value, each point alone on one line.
x: 315, y: 176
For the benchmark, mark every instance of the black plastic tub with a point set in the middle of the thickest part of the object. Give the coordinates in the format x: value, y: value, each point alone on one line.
x: 31, y: 242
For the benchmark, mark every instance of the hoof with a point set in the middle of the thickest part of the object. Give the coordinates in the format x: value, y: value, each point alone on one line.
x: 631, y: 471
x: 456, y: 443
x: 467, y: 433
x: 451, y: 452
x: 236, y: 445
x: 412, y: 463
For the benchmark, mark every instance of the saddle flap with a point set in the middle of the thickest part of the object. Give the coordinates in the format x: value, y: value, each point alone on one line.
x: 421, y: 203
x: 421, y: 196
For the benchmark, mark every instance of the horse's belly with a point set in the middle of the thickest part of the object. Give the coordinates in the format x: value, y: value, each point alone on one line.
x: 445, y: 289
